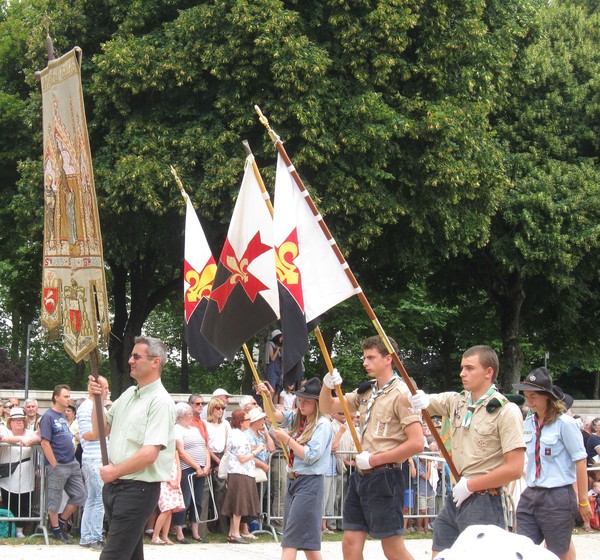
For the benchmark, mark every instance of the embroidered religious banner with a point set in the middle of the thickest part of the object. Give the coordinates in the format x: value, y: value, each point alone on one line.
x: 74, y: 298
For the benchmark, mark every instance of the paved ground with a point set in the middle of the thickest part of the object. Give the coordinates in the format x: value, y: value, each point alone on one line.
x: 588, y: 548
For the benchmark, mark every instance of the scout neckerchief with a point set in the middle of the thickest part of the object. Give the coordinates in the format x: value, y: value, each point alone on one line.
x: 472, y: 406
x: 296, y: 437
x: 538, y: 436
x: 374, y: 394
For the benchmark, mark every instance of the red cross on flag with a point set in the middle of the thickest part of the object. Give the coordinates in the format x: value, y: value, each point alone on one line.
x: 244, y: 297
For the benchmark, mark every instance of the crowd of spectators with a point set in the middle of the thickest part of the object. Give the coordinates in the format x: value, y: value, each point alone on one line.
x: 196, y: 501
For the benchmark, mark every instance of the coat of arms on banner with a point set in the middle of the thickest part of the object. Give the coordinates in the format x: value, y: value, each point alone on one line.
x: 73, y: 285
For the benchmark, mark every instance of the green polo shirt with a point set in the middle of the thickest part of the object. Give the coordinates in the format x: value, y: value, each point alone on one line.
x: 141, y: 417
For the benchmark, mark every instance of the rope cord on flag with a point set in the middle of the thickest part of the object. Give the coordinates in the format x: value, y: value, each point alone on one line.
x: 358, y: 291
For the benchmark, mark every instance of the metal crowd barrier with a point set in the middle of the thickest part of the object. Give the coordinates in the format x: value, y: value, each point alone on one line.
x: 433, y: 497
x: 22, y: 485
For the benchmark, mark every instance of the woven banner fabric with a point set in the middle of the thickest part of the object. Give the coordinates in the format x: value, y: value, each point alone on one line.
x: 74, y: 298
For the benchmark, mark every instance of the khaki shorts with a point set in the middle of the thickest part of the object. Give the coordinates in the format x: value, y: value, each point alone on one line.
x: 65, y: 477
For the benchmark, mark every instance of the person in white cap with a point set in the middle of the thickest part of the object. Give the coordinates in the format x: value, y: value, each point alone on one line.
x: 225, y: 397
x: 257, y: 434
x: 18, y: 484
x: 222, y: 394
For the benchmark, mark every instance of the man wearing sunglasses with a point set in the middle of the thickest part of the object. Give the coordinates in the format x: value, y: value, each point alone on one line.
x: 140, y: 450
x: 196, y: 401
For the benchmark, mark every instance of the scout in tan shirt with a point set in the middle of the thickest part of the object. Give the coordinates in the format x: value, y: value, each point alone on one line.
x: 391, y: 433
x: 487, y: 446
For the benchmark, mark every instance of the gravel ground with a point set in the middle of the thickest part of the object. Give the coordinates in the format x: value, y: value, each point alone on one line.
x: 587, y: 545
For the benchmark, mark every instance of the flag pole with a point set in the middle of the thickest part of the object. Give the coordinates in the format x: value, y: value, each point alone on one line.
x: 266, y: 402
x: 179, y: 183
x: 361, y: 296
x: 317, y: 330
x: 338, y: 391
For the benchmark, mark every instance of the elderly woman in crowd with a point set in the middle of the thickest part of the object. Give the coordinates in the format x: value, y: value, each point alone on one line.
x: 193, y: 455
x: 242, y: 498
x: 257, y: 434
x: 18, y: 483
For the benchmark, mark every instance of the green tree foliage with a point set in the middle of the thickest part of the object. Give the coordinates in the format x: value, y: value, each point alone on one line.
x: 450, y: 146
x: 545, y: 233
x: 19, y: 275
x: 390, y: 132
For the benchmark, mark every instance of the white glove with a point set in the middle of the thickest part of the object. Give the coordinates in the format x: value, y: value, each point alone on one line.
x: 362, y: 460
x: 419, y: 400
x: 461, y: 491
x: 332, y: 379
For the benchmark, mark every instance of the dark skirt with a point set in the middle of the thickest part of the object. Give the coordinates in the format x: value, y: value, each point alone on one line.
x: 241, y: 498
x: 303, y: 512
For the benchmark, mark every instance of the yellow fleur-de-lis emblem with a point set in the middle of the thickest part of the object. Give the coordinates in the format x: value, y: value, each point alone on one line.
x: 287, y: 271
x: 238, y: 269
x: 200, y: 284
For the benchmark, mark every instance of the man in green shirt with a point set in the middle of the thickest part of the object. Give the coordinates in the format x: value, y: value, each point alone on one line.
x: 141, y: 451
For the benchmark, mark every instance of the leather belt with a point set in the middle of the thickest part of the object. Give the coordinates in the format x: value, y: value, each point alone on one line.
x: 367, y: 472
x: 490, y: 491
x: 293, y: 475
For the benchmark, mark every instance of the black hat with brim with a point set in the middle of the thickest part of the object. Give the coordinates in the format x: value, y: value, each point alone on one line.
x: 310, y: 390
x: 565, y: 398
x: 539, y: 380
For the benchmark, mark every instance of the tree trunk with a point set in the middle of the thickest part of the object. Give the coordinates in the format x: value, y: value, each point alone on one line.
x: 509, y: 305
x: 16, y: 337
x: 115, y: 346
x: 596, y: 393
x: 79, y: 377
x: 184, y: 378
x: 131, y: 313
x: 447, y: 363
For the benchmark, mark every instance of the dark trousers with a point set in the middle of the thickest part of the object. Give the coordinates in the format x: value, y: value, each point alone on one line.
x: 197, y: 488
x: 127, y: 505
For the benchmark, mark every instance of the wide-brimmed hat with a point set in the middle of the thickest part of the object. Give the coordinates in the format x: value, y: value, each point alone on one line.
x: 539, y: 380
x: 256, y: 414
x: 565, y: 398
x: 310, y: 390
x: 16, y: 412
x: 220, y: 393
x: 275, y: 333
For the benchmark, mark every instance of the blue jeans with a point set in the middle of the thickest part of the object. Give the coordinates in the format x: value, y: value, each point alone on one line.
x: 198, y: 489
x: 92, y: 520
